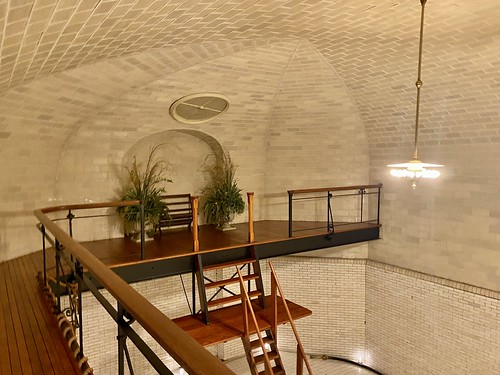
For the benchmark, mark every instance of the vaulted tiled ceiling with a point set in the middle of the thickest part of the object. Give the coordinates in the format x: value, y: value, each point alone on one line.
x: 43, y: 36
x: 372, y: 45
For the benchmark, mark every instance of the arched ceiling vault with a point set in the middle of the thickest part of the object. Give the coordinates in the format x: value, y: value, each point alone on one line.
x: 372, y: 46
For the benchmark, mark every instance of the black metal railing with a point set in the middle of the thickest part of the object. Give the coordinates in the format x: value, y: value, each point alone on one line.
x: 131, y: 306
x: 328, y: 208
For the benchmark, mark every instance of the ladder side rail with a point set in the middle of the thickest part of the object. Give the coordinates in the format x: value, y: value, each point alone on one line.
x: 248, y: 307
x: 300, y: 362
x: 274, y: 309
x: 300, y: 347
x: 258, y: 282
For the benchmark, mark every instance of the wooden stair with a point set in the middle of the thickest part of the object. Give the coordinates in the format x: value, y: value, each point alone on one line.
x: 256, y: 358
x: 229, y: 295
x: 262, y: 354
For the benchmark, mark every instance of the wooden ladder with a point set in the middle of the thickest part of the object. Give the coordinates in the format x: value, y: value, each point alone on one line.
x: 268, y: 343
x: 262, y: 351
x: 207, y: 285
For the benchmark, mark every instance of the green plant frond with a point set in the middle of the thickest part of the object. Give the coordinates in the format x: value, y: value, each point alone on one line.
x: 143, y: 185
x: 222, y: 197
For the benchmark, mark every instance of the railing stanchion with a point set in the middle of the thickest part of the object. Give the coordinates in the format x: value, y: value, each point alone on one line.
x: 362, y: 196
x: 70, y: 216
x: 121, y: 337
x: 378, y: 204
x: 58, y: 273
x: 196, y: 241
x: 44, y: 256
x: 142, y: 230
x: 251, y: 235
x: 329, y: 214
x: 290, y: 212
x: 79, y: 279
x: 193, y: 289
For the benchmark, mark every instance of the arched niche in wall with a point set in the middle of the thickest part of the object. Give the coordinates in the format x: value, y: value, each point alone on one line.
x: 186, y: 153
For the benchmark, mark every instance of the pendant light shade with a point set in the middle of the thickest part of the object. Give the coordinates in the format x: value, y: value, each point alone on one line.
x: 415, y: 169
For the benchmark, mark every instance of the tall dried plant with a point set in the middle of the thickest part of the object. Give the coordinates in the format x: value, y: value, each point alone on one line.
x: 222, y: 196
x: 144, y: 184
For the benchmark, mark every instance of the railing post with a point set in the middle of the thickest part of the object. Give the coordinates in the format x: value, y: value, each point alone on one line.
x: 121, y: 337
x: 251, y: 235
x: 194, y: 206
x: 193, y: 289
x: 362, y: 193
x: 58, y: 272
x: 290, y: 213
x: 79, y: 279
x: 44, y: 257
x: 329, y: 214
x: 70, y: 218
x: 378, y: 205
x: 143, y: 223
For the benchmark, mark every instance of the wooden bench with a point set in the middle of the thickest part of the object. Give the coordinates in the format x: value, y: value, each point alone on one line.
x: 180, y: 211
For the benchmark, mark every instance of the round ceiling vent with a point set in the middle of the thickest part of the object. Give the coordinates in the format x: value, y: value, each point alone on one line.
x: 197, y: 108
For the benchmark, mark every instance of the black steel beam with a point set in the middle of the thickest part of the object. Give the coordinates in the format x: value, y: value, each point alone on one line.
x: 186, y: 264
x: 299, y: 245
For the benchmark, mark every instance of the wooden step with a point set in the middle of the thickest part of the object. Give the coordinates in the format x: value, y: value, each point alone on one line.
x: 234, y: 263
x: 222, y: 301
x: 234, y: 280
x: 256, y: 343
x: 277, y: 370
x: 261, y: 359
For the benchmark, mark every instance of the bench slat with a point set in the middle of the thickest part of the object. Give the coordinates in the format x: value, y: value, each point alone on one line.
x: 180, y: 211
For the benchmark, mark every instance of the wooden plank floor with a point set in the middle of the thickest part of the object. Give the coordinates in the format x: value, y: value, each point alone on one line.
x: 227, y: 323
x: 179, y: 242
x: 30, y: 340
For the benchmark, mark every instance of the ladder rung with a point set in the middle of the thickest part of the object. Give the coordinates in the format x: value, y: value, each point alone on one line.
x: 256, y: 343
x: 271, y: 355
x: 222, y: 301
x: 234, y: 280
x: 277, y: 370
x: 228, y: 264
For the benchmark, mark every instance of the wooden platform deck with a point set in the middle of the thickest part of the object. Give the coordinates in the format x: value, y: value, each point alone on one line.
x: 227, y: 323
x: 177, y: 243
x: 30, y: 340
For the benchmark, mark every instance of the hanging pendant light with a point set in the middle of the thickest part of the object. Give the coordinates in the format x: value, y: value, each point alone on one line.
x: 415, y: 169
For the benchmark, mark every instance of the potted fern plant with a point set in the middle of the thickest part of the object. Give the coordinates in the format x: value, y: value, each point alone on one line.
x: 222, y: 198
x: 143, y: 183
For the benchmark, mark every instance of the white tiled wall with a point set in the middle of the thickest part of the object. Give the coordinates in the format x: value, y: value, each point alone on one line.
x: 395, y: 320
x: 420, y: 324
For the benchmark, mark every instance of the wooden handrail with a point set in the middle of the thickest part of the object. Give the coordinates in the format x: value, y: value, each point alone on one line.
x: 247, y: 306
x: 300, y: 349
x: 84, y: 206
x: 338, y: 188
x: 187, y: 352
